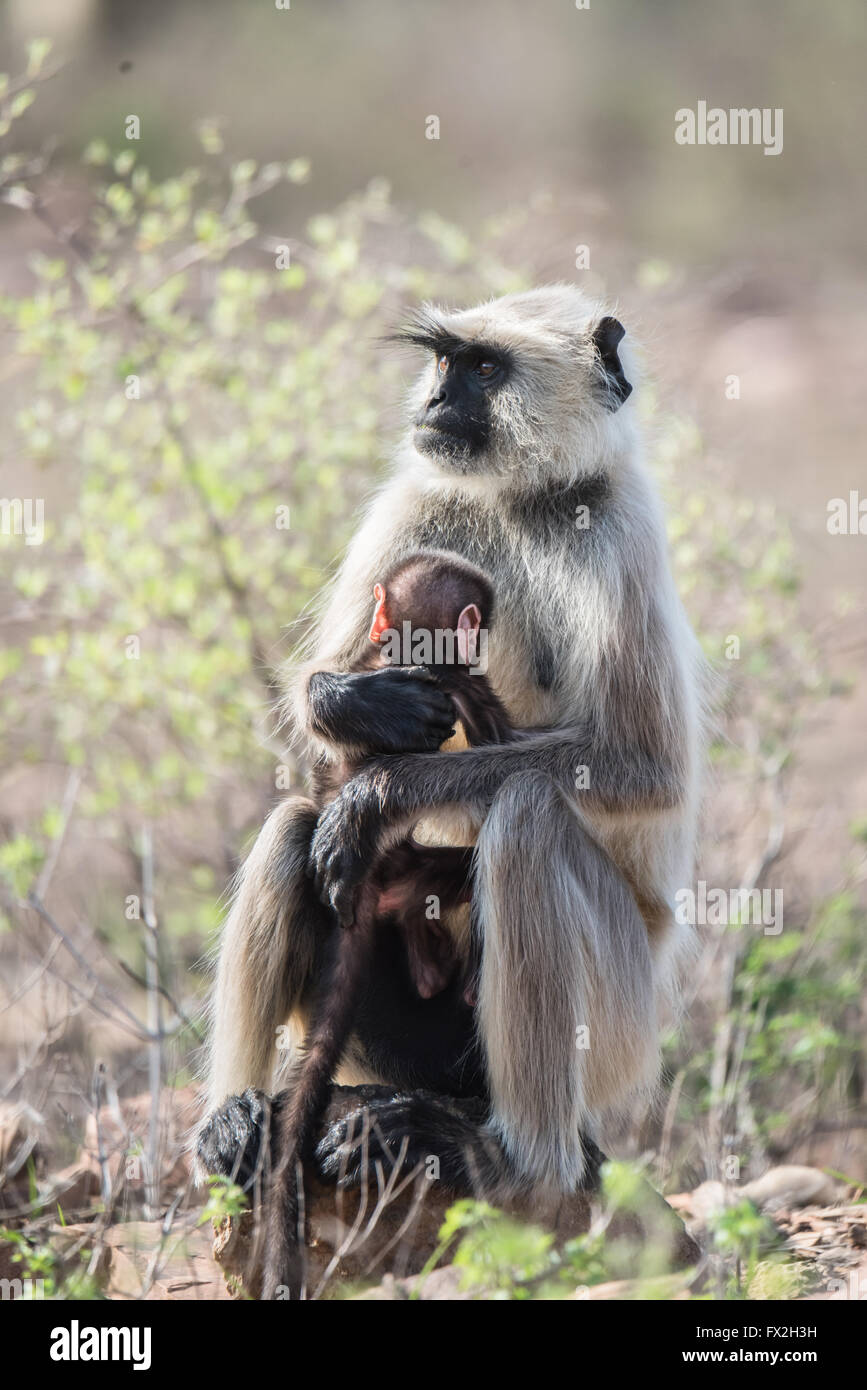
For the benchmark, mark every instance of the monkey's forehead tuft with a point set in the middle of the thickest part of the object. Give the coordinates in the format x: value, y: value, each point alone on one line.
x: 529, y: 318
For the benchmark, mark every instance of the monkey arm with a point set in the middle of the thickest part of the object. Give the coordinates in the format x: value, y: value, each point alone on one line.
x: 394, y: 709
x: 332, y: 693
x: 390, y: 792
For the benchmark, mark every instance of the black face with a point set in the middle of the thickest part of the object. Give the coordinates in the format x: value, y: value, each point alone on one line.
x: 455, y: 421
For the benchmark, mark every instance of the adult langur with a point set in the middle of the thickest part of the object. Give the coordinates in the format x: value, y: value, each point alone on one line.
x: 523, y: 456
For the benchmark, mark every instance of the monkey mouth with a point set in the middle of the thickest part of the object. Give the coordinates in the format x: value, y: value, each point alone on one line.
x: 440, y: 442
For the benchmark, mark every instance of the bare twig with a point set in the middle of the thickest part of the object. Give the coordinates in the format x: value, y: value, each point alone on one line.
x: 79, y: 959
x: 180, y: 1013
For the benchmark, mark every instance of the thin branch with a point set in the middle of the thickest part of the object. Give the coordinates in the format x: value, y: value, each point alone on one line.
x: 154, y: 1015
x: 70, y: 797
x: 79, y: 959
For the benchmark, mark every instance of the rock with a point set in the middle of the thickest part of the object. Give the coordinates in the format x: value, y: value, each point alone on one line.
x: 146, y: 1263
x: 707, y: 1200
x: 792, y: 1186
x: 133, y: 1259
x: 69, y: 1241
x: 787, y: 1186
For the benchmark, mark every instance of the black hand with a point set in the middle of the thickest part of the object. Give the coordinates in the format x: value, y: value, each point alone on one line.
x: 344, y: 845
x: 395, y: 710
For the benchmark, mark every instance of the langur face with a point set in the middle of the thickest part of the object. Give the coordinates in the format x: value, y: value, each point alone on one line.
x: 453, y: 426
x: 520, y: 385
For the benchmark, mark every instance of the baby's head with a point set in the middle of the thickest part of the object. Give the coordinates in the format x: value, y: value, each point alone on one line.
x: 433, y: 592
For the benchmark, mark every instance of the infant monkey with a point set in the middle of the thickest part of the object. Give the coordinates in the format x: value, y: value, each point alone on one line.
x: 432, y: 612
x: 437, y: 609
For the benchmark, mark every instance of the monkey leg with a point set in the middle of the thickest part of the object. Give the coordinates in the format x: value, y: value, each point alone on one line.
x: 449, y: 1138
x: 566, y: 1009
x: 267, y: 954
x: 277, y: 942
x: 445, y: 1137
x: 229, y: 1143
x: 410, y: 878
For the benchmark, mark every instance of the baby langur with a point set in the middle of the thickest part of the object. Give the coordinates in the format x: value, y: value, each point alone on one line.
x: 432, y: 608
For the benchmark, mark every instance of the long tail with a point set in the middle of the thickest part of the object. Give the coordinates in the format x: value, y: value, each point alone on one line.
x: 331, y: 1025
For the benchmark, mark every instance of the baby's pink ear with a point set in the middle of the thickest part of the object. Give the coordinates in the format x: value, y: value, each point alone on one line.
x: 469, y: 622
x: 379, y: 624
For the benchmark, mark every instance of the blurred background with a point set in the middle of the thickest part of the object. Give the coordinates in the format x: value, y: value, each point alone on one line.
x: 191, y: 379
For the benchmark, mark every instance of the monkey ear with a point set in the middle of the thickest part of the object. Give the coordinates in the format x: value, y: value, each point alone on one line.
x: 380, y: 617
x: 606, y: 336
x: 469, y: 622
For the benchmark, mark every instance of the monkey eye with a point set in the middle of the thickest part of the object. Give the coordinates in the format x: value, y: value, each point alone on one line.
x: 443, y: 365
x: 486, y: 369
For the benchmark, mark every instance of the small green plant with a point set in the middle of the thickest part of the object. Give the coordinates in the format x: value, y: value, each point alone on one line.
x: 48, y: 1271
x: 502, y: 1257
x: 225, y: 1198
